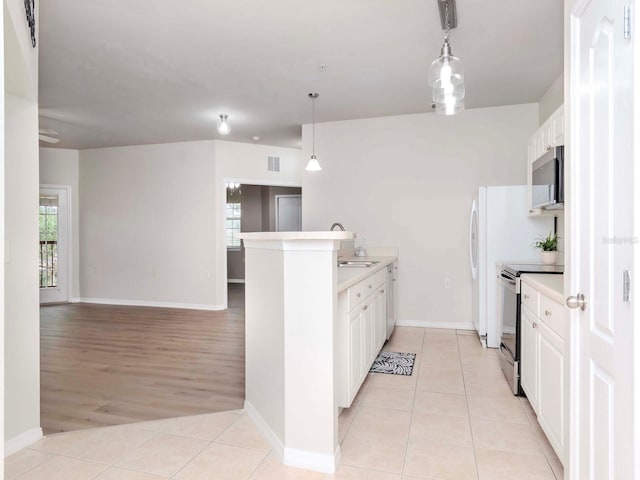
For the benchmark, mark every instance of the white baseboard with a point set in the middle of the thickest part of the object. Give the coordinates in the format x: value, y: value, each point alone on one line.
x: 235, y: 280
x: 264, y: 429
x: 145, y: 303
x: 75, y: 300
x: 432, y: 324
x: 292, y: 456
x: 311, y: 460
x: 23, y: 440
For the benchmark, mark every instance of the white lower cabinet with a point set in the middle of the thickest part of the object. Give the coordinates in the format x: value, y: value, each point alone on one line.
x: 529, y: 355
x: 551, y: 350
x: 365, y: 319
x: 542, y: 365
x: 356, y: 349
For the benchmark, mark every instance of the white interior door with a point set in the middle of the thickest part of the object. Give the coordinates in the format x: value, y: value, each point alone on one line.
x: 601, y: 149
x: 288, y: 213
x: 53, y: 245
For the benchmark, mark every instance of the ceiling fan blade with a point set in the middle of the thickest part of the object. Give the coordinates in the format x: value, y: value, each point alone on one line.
x: 48, y: 131
x: 44, y: 138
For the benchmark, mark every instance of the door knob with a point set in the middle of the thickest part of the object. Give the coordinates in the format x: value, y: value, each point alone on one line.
x: 577, y: 301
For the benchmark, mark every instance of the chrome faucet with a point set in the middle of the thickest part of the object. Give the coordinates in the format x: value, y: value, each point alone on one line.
x: 339, y: 225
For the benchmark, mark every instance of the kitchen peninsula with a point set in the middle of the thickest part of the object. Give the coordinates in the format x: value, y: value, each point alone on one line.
x: 295, y: 340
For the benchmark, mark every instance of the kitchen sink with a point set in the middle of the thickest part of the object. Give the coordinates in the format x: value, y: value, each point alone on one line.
x: 356, y: 263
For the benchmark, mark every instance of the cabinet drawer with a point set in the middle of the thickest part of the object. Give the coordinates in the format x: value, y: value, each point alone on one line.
x: 355, y: 295
x: 372, y: 283
x: 553, y: 315
x: 529, y: 298
x: 364, y: 288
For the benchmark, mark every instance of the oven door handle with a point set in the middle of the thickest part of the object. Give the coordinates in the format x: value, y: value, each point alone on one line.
x: 508, y: 280
x: 508, y: 358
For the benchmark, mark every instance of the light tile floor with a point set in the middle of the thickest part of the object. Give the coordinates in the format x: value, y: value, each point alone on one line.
x: 453, y: 419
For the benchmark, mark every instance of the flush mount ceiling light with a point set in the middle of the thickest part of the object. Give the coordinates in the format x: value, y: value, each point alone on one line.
x: 313, y: 165
x: 224, y: 127
x: 446, y: 75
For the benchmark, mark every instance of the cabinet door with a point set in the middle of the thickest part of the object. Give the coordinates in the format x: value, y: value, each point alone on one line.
x: 558, y: 126
x: 356, y: 351
x: 529, y: 356
x: 380, y: 319
x: 368, y: 331
x: 550, y: 388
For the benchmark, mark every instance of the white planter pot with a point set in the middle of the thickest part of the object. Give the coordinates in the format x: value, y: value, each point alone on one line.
x: 549, y: 258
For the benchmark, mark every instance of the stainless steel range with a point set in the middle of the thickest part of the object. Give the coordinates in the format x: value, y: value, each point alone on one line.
x: 510, y: 318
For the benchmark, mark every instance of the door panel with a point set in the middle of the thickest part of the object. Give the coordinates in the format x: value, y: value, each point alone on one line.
x: 288, y: 213
x: 601, y: 222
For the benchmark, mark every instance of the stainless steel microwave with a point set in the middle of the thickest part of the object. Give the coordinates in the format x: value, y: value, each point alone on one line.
x: 547, y: 180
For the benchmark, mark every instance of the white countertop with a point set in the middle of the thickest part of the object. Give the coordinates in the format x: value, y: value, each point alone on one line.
x: 548, y: 284
x: 335, y: 235
x: 349, y: 276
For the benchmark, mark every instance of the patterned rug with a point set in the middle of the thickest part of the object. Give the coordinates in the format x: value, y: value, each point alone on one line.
x: 394, y: 363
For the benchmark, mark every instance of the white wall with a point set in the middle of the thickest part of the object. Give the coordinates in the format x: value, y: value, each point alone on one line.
x: 551, y: 100
x: 247, y: 163
x: 22, y: 327
x: 21, y: 342
x: 21, y: 59
x: 408, y: 181
x: 152, y: 219
x: 146, y: 229
x: 59, y: 166
x: 2, y: 242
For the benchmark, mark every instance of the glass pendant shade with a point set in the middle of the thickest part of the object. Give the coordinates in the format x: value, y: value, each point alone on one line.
x: 446, y: 79
x: 451, y: 107
x: 224, y: 127
x: 313, y: 165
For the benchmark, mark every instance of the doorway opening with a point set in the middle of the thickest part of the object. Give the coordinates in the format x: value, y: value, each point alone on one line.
x: 54, y: 259
x: 256, y: 208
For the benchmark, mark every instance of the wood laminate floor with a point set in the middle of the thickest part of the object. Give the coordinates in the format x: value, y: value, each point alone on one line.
x: 108, y: 365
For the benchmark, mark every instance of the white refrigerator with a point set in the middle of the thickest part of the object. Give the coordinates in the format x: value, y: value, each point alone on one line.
x: 500, y: 231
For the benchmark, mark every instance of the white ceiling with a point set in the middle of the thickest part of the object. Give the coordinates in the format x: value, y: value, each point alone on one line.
x: 122, y: 72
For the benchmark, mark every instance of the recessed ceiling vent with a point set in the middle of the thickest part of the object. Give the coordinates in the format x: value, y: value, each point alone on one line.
x: 273, y: 164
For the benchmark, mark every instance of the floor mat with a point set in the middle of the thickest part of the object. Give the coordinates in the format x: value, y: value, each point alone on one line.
x: 394, y: 363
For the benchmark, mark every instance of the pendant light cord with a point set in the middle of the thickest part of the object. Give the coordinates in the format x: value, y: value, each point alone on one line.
x: 313, y: 125
x: 446, y: 20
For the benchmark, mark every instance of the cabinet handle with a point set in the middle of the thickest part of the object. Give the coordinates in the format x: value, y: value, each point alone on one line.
x: 526, y: 297
x: 369, y: 286
x: 394, y: 279
x: 365, y: 307
x: 358, y: 295
x: 549, y: 148
x: 535, y: 325
x: 547, y: 313
x: 381, y: 291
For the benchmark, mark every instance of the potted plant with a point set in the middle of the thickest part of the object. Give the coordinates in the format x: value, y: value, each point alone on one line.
x: 549, y: 247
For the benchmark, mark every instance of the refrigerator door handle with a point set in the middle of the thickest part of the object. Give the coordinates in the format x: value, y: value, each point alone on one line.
x: 474, y: 214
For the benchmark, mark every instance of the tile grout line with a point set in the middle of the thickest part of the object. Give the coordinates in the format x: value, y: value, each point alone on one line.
x: 466, y: 398
x: 413, y: 402
x: 537, y: 437
x: 264, y: 459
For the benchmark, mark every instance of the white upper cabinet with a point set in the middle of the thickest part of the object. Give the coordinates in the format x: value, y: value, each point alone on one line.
x: 546, y: 138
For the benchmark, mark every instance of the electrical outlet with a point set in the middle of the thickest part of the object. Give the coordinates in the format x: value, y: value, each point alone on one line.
x: 447, y: 282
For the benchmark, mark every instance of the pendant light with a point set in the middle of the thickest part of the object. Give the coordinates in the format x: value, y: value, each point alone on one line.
x: 446, y: 75
x: 313, y: 165
x: 224, y: 127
